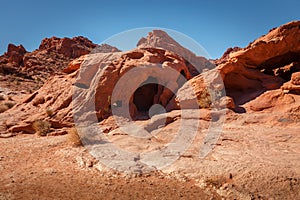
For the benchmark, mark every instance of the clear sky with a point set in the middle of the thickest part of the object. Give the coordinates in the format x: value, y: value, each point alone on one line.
x: 216, y: 25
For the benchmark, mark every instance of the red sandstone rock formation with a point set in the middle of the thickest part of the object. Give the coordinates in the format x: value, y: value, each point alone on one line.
x: 263, y: 66
x: 160, y: 39
x: 57, y: 93
x: 52, y: 56
x: 12, y: 60
x: 257, y: 154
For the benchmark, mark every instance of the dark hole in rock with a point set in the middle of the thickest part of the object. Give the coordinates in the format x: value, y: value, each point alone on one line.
x: 282, y: 65
x: 181, y: 79
x: 134, y: 55
x: 143, y: 97
x: 193, y: 70
x: 154, y: 51
x: 183, y: 73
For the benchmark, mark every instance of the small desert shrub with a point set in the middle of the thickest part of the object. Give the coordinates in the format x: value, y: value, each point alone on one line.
x: 2, y: 97
x: 204, y: 100
x: 38, y: 79
x: 216, y: 181
x: 208, y: 97
x: 3, y: 108
x: 73, y: 137
x: 17, y: 82
x: 10, y: 98
x: 49, y: 112
x: 41, y: 127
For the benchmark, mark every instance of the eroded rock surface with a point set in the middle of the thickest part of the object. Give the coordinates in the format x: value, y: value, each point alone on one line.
x: 264, y: 65
x: 249, y: 124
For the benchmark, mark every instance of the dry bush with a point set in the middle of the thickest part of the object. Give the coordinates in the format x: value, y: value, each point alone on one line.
x: 2, y: 97
x: 204, y: 100
x: 3, y: 108
x: 208, y: 97
x: 41, y: 127
x: 216, y: 181
x: 73, y: 137
x: 10, y: 98
x: 49, y: 112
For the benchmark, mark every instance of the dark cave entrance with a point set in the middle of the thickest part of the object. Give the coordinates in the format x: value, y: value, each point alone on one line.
x: 181, y: 79
x: 282, y: 66
x: 143, y: 97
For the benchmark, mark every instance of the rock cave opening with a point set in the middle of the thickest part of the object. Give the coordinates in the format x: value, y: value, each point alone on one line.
x: 143, y: 97
x: 146, y: 99
x: 282, y: 66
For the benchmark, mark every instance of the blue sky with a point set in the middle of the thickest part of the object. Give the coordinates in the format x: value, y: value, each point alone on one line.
x: 216, y: 25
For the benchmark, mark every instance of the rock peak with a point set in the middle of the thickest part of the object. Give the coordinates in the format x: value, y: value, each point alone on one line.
x: 158, y: 38
x: 161, y: 39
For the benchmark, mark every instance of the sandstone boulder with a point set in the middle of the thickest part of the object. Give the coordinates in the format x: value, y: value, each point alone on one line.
x: 271, y: 99
x: 296, y: 78
x: 15, y: 53
x: 207, y: 89
x: 289, y: 87
x: 74, y: 65
x: 12, y: 60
